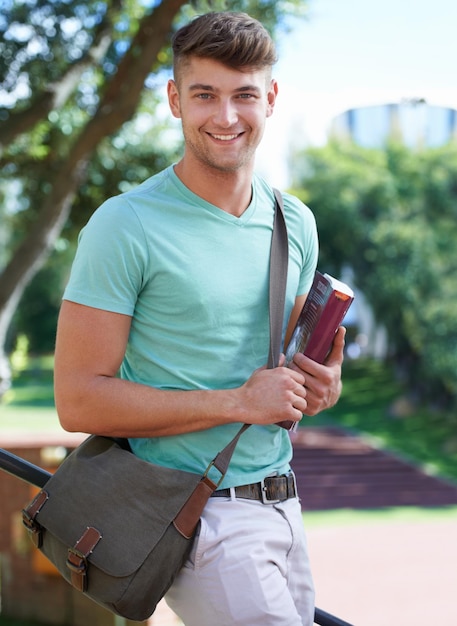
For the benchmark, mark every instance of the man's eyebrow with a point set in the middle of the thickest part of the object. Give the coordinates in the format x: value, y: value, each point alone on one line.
x: 248, y: 88
x: 203, y: 87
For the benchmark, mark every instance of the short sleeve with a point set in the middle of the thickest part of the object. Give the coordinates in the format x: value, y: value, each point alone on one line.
x: 108, y: 271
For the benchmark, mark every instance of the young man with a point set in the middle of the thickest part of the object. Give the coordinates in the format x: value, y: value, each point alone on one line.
x: 163, y: 334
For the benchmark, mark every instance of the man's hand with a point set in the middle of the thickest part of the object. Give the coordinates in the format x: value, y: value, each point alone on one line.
x: 273, y: 395
x: 322, y: 382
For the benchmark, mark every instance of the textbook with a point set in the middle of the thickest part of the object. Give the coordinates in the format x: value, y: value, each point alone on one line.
x: 325, y: 307
x: 327, y: 303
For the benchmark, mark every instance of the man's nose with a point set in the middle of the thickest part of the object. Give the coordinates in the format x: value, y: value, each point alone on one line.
x: 226, y: 114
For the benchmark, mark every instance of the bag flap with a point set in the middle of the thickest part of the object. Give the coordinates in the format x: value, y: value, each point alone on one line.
x: 131, y: 502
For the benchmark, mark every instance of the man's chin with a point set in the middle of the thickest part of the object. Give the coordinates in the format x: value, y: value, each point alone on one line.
x: 228, y: 166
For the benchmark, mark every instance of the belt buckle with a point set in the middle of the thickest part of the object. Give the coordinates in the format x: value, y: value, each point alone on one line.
x: 263, y: 490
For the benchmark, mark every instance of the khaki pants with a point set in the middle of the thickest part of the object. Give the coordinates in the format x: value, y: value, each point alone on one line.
x: 249, y: 566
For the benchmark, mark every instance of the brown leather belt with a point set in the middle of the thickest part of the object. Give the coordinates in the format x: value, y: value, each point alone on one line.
x: 271, y: 490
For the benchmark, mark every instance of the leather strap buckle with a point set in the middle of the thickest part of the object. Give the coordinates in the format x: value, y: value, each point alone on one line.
x: 29, y: 518
x: 77, y: 557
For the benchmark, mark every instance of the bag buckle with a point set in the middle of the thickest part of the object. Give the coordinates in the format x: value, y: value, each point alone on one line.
x: 29, y: 518
x: 77, y: 557
x: 205, y: 475
x: 77, y: 565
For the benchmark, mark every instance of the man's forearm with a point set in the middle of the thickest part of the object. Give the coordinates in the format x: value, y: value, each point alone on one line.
x: 112, y: 406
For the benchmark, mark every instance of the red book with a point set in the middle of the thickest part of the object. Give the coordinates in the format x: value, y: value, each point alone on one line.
x: 327, y: 303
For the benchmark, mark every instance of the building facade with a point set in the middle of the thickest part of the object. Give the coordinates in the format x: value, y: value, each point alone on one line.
x: 414, y: 122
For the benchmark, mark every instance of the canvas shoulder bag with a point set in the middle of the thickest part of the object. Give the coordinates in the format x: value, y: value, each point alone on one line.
x: 119, y: 528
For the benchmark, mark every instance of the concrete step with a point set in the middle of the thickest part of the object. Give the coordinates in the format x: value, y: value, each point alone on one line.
x: 337, y: 469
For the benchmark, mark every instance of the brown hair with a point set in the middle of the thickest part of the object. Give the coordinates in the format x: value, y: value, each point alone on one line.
x: 235, y: 39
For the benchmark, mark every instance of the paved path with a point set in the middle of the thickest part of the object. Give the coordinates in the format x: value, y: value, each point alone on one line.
x: 396, y: 573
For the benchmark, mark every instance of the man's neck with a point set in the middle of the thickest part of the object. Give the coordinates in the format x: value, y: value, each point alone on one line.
x: 229, y: 191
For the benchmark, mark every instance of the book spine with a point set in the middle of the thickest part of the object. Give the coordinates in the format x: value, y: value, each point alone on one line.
x: 320, y: 342
x: 309, y: 317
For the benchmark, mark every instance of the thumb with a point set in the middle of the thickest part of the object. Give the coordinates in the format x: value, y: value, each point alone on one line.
x: 336, y: 354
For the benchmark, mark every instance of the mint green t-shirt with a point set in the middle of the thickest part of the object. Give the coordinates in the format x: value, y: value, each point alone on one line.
x: 194, y: 279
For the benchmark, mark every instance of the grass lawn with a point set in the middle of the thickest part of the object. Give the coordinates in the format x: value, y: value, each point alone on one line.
x: 352, y: 517
x: 29, y: 404
x: 28, y: 419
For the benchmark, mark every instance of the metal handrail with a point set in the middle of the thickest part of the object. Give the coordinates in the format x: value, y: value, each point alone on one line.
x: 326, y: 619
x: 37, y: 476
x: 20, y: 468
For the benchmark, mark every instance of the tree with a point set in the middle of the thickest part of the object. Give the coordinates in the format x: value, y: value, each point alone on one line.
x: 72, y: 73
x: 391, y: 216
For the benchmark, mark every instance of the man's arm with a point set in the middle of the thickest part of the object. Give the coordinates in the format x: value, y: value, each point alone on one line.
x: 91, y: 398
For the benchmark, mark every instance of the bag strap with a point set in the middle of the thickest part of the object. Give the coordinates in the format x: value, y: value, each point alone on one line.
x: 279, y: 261
x: 279, y: 257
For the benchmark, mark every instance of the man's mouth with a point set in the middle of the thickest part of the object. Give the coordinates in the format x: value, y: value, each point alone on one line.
x: 224, y: 137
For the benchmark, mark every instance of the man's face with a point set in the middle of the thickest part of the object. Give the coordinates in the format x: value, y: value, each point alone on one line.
x: 223, y: 112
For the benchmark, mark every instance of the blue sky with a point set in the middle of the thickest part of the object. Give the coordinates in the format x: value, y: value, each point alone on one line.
x: 352, y: 53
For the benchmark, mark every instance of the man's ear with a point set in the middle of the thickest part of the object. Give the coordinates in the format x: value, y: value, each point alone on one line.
x: 173, y: 98
x: 271, y: 97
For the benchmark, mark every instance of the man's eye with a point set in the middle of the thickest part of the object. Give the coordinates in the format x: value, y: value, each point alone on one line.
x: 204, y: 96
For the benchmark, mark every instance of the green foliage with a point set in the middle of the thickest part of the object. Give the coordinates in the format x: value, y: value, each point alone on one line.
x: 391, y: 216
x: 37, y: 34
x: 29, y: 404
x: 36, y: 318
x: 274, y: 14
x: 19, y: 357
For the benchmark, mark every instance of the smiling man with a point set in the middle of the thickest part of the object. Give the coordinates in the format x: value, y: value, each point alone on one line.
x: 163, y: 334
